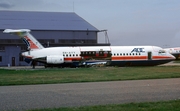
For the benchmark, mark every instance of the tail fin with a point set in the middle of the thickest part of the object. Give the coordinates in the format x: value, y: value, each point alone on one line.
x: 27, y: 38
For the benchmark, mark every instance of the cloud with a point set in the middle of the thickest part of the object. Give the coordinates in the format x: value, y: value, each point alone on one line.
x: 6, y: 4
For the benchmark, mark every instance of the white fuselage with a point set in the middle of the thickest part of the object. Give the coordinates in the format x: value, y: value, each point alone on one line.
x: 119, y: 53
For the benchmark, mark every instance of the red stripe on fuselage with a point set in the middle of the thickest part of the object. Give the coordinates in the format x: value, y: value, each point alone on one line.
x: 30, y: 57
x: 129, y: 57
x: 72, y: 59
x: 123, y: 58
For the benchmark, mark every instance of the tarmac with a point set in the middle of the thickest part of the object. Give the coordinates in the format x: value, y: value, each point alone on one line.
x: 28, y: 97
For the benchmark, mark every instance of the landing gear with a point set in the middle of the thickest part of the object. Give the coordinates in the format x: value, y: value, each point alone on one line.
x: 33, y: 64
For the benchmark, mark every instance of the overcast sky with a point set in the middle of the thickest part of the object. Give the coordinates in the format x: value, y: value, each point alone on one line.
x: 129, y: 22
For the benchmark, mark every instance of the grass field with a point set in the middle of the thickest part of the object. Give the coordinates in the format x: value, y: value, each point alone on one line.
x: 148, y: 106
x: 71, y: 75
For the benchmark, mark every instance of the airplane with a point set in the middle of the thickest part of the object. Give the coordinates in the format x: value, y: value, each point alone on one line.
x: 175, y: 51
x: 77, y: 56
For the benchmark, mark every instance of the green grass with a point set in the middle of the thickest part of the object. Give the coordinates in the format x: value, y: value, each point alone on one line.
x: 177, y: 61
x: 71, y: 75
x: 148, y: 106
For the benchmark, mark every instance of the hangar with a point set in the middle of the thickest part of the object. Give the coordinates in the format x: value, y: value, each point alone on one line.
x: 50, y: 29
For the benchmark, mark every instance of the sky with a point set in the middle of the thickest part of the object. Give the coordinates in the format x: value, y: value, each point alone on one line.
x: 128, y: 22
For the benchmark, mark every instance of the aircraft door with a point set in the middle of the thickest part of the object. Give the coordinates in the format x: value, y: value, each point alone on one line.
x: 149, y: 55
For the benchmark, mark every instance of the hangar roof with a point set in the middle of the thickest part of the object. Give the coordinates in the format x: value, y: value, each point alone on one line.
x: 43, y: 21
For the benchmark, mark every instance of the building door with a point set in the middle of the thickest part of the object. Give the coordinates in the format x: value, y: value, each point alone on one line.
x: 13, y: 61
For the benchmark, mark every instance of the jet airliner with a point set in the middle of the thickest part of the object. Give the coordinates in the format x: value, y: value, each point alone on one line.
x: 175, y: 51
x: 78, y: 56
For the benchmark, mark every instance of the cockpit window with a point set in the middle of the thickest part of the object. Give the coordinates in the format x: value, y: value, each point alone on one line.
x: 162, y: 51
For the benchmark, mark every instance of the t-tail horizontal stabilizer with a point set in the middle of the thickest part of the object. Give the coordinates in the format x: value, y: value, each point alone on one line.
x: 27, y: 38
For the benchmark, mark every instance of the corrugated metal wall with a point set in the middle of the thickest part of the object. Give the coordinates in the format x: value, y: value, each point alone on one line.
x: 12, y: 47
x: 50, y: 28
x: 65, y: 35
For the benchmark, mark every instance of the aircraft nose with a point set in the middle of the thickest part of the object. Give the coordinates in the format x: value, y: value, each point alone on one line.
x: 172, y: 57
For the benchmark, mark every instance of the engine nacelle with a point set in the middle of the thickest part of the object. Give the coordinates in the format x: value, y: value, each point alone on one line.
x: 55, y: 59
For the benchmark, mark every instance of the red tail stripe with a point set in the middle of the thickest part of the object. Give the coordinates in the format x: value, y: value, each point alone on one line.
x: 32, y: 45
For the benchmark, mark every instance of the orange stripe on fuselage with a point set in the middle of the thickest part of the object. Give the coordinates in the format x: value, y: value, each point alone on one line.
x: 129, y: 57
x: 30, y: 57
x: 122, y: 58
x: 113, y: 58
x: 139, y: 57
x: 72, y: 59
